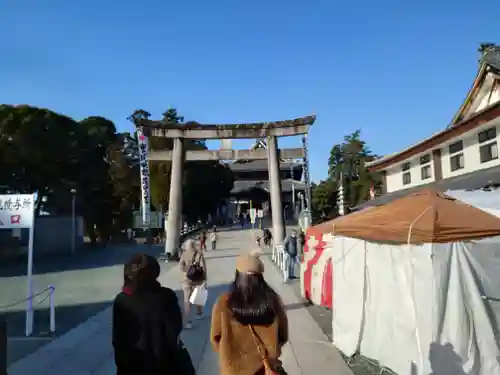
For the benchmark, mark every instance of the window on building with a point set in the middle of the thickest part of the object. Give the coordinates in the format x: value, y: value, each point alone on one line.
x: 406, y: 167
x: 425, y: 169
x: 425, y: 172
x: 488, y: 152
x: 456, y: 147
x: 487, y: 135
x: 406, y: 178
x: 425, y: 159
x: 456, y: 155
x: 488, y: 144
x: 457, y: 162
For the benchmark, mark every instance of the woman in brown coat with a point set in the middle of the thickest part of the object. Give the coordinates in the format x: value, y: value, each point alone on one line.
x: 248, y: 318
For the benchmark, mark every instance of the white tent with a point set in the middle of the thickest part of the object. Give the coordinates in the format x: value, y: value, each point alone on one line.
x: 409, y: 280
x: 488, y: 201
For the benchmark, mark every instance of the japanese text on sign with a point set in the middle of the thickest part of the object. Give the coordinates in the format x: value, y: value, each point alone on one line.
x: 16, y: 211
x: 7, y: 203
x: 144, y: 170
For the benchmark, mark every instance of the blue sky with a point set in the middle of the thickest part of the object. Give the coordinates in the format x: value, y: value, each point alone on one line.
x: 395, y: 70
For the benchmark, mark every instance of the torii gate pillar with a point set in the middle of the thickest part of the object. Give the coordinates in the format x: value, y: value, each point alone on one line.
x: 174, y: 219
x: 275, y: 191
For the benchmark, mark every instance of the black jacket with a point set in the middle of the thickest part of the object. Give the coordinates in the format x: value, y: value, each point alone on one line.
x: 146, y: 329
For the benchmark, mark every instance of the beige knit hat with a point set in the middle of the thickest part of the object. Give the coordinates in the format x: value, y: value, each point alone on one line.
x: 249, y: 263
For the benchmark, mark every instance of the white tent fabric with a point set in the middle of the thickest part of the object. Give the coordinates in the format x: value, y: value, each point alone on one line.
x: 418, y: 310
x: 488, y: 201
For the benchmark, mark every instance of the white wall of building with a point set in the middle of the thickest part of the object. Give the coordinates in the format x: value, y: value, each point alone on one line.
x: 487, y: 95
x: 471, y: 144
x: 394, y: 176
x: 471, y: 157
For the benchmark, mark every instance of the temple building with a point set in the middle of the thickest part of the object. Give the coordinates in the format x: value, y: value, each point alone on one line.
x: 252, y: 185
x: 464, y: 155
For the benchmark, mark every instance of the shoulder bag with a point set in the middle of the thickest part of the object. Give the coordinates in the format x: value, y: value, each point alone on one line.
x: 271, y: 366
x: 195, y: 271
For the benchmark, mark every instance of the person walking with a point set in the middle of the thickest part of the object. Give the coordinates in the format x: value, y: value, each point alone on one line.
x: 291, y: 247
x: 194, y: 269
x: 249, y: 325
x: 267, y: 237
x: 147, y: 322
x: 203, y: 240
x: 213, y: 238
x: 302, y: 242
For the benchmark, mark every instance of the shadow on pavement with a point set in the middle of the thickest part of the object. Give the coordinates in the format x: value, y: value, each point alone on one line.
x: 86, y: 259
x: 67, y: 318
x: 89, y: 258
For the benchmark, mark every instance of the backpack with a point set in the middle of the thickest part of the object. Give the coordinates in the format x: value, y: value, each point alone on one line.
x: 195, y: 271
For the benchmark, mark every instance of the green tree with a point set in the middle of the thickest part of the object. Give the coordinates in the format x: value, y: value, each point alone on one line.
x: 98, y: 137
x: 206, y: 185
x: 39, y: 151
x: 347, y: 163
x: 94, y: 142
x: 324, y: 199
x: 124, y: 176
x: 139, y: 114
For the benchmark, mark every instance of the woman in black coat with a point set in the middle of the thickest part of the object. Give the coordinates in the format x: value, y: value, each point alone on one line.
x: 147, y: 322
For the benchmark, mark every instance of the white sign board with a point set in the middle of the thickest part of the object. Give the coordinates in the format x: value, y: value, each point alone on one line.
x: 17, y: 211
x: 144, y: 169
x: 155, y: 221
x: 260, y: 213
x: 253, y: 215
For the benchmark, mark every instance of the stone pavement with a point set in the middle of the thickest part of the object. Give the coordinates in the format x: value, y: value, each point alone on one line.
x: 87, y: 350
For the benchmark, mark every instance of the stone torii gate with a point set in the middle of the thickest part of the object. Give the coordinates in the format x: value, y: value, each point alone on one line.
x: 192, y: 130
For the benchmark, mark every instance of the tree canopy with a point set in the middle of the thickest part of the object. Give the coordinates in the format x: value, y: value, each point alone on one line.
x: 55, y: 156
x: 346, y: 163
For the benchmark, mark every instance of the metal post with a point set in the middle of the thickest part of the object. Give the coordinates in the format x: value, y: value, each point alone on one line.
x: 175, y: 199
x: 275, y: 190
x: 52, y: 315
x: 73, y: 221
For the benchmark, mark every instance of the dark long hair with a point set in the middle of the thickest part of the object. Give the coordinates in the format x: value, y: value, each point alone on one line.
x: 252, y: 301
x: 141, y: 272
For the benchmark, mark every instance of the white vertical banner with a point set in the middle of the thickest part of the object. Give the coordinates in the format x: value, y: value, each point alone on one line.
x: 144, y: 170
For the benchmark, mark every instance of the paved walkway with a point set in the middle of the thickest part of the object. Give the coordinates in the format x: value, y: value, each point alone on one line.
x: 86, y: 350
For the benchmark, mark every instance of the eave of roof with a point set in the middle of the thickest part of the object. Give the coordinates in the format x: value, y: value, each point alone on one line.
x: 480, y: 76
x: 469, y: 181
x: 436, y: 139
